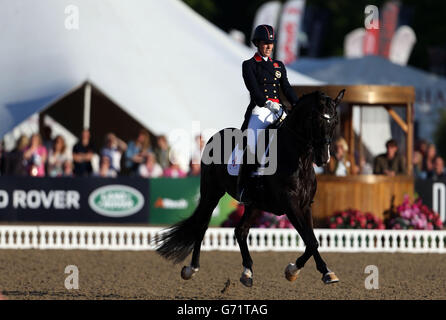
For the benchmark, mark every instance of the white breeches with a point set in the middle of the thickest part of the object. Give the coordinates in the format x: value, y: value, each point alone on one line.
x: 261, y: 118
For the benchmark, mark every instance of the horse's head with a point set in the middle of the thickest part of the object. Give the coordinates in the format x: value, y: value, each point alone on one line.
x: 324, y: 119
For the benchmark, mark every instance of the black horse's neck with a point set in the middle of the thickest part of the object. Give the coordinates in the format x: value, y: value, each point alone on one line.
x: 296, y: 128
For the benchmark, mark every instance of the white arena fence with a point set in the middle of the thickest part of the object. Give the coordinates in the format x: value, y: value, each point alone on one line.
x: 143, y: 238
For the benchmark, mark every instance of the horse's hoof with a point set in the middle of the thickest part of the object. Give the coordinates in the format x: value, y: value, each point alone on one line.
x: 291, y: 272
x: 246, y: 277
x: 188, y: 272
x: 247, y: 282
x: 330, y: 277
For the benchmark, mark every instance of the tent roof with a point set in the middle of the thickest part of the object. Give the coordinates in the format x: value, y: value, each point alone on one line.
x: 163, y: 63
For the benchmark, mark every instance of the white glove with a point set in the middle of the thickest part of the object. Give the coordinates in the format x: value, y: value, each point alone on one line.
x: 272, y: 106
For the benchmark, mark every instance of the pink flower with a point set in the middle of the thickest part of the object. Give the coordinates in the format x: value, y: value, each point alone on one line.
x: 339, y: 220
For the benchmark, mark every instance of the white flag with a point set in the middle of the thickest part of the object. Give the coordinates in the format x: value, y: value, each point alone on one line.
x: 353, y: 43
x: 401, y: 45
x: 268, y: 13
x: 290, y: 26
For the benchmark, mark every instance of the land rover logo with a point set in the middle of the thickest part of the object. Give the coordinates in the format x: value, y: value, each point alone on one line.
x: 116, y: 201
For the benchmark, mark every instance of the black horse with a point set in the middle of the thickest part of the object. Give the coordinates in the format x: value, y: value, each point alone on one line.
x: 303, y: 137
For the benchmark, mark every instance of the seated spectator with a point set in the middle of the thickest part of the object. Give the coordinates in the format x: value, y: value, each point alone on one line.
x: 2, y: 158
x: 15, y: 164
x: 428, y: 160
x: 67, y: 168
x: 174, y: 170
x: 46, y: 137
x: 56, y: 157
x: 162, y: 152
x: 150, y: 168
x: 338, y: 164
x: 438, y: 171
x: 194, y: 169
x: 105, y: 169
x: 36, y: 155
x: 418, y: 165
x: 421, y: 146
x: 137, y: 151
x: 83, y: 152
x: 364, y: 166
x: 389, y: 163
x: 198, y: 149
x: 114, y: 147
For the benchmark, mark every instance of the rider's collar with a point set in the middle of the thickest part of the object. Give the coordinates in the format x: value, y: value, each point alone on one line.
x: 259, y: 58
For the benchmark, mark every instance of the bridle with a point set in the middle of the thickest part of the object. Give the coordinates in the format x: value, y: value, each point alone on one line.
x: 312, y: 141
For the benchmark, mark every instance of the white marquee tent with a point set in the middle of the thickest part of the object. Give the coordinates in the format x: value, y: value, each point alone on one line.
x: 160, y: 61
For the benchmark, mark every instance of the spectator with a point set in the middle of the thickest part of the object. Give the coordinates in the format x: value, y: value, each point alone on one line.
x: 46, y: 137
x: 68, y: 168
x: 389, y: 163
x: 418, y: 165
x: 105, y: 169
x: 421, y: 146
x: 35, y: 156
x: 428, y: 160
x: 198, y: 149
x: 137, y: 152
x: 56, y: 157
x: 15, y: 164
x: 2, y: 158
x: 438, y: 171
x: 338, y: 164
x: 83, y: 152
x: 364, y: 166
x: 194, y: 169
x: 162, y: 152
x: 174, y: 170
x: 114, y: 147
x: 150, y: 168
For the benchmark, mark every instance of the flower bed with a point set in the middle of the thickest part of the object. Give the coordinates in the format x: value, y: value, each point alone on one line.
x: 354, y: 219
x: 414, y: 215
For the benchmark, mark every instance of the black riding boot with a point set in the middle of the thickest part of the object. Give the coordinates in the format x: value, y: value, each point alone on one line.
x: 245, y: 192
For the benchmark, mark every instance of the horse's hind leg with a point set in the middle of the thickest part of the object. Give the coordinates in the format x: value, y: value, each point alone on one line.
x: 241, y: 234
x: 206, y: 205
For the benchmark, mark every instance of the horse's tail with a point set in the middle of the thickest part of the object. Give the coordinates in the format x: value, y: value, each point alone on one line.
x: 179, y: 240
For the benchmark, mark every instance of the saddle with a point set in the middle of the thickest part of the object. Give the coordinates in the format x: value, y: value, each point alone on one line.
x: 248, y: 181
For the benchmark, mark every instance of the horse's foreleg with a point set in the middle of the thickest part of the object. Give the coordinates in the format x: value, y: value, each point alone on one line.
x: 327, y: 275
x: 241, y: 234
x: 292, y: 270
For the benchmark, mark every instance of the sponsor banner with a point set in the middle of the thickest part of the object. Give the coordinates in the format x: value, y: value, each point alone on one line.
x: 268, y: 13
x: 121, y: 199
x: 389, y: 22
x: 433, y: 193
x: 353, y: 43
x: 401, y: 45
x: 290, y: 25
x: 172, y: 200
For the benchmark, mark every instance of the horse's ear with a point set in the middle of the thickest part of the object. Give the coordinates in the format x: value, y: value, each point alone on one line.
x: 339, y: 97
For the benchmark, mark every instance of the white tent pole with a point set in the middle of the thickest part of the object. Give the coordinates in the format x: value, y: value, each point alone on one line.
x: 87, y: 105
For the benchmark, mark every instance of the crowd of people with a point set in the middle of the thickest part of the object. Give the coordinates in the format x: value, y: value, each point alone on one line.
x: 38, y: 157
x: 427, y: 164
